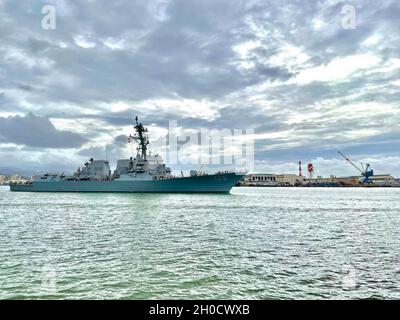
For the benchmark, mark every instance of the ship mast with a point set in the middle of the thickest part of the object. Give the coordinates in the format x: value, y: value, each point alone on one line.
x: 141, y: 139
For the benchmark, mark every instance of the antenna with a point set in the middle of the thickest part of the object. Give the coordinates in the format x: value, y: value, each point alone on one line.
x: 141, y: 139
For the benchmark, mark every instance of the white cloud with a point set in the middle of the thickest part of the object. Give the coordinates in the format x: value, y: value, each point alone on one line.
x: 318, y: 24
x: 84, y: 42
x: 19, y: 56
x: 396, y: 83
x: 114, y: 44
x: 289, y: 56
x: 339, y: 69
x: 372, y: 40
x: 244, y: 49
x: 158, y: 9
x: 182, y: 108
x: 244, y: 52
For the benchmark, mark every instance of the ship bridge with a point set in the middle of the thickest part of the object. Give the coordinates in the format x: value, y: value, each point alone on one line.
x: 94, y: 170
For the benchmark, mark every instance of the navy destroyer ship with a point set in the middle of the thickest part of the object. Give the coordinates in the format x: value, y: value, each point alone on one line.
x: 143, y: 173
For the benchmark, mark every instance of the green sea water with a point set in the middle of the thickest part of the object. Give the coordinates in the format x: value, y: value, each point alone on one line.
x: 256, y: 243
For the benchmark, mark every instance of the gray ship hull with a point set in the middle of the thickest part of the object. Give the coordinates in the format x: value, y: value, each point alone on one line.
x: 217, y: 183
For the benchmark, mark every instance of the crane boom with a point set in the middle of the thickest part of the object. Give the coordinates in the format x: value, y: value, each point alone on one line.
x: 351, y: 162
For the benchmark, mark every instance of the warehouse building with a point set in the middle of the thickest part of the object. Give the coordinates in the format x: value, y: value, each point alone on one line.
x: 259, y: 179
x: 270, y: 179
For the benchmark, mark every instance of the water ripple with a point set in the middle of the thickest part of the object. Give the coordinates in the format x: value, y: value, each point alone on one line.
x: 272, y: 243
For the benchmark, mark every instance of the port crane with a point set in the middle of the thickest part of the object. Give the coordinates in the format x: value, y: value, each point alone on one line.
x: 366, y: 172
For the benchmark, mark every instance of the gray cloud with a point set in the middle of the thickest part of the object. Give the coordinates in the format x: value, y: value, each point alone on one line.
x: 37, y: 131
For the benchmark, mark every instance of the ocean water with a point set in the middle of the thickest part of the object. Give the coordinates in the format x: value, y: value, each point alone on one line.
x: 256, y: 243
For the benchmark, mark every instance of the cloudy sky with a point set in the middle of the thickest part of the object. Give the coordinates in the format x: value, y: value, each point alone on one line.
x: 288, y: 70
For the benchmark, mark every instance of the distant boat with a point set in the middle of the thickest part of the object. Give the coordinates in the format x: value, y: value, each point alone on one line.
x: 144, y: 173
